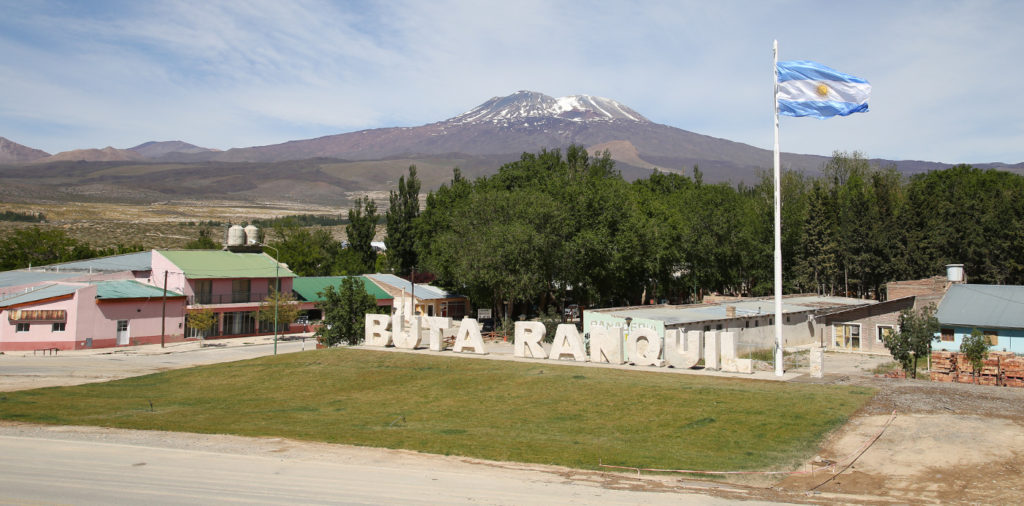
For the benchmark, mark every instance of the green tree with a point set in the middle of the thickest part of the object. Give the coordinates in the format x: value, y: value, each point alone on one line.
x: 36, y: 246
x: 203, y: 241
x: 400, y: 218
x: 975, y: 348
x: 360, y: 230
x: 345, y: 312
x: 277, y: 306
x: 201, y: 319
x: 914, y: 337
x: 307, y: 252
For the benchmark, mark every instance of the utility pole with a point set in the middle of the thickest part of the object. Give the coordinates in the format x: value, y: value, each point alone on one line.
x: 163, y: 314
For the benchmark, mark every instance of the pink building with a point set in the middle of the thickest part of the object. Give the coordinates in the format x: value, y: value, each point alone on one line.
x: 230, y: 283
x: 75, y: 315
x: 118, y: 300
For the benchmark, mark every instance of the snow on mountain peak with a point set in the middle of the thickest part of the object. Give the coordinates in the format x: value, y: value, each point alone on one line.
x: 521, y: 107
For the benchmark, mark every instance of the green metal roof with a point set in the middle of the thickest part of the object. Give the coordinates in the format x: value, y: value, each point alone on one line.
x: 41, y: 292
x: 130, y: 289
x: 309, y: 288
x: 214, y: 264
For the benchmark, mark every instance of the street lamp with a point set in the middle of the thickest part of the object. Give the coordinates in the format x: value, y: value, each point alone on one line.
x: 277, y: 288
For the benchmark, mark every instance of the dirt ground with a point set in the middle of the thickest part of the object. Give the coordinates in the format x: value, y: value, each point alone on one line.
x: 915, y: 442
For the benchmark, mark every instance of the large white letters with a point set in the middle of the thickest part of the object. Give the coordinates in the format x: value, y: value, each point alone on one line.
x: 683, y: 351
x: 408, y: 338
x: 712, y: 355
x: 376, y: 333
x: 469, y: 338
x: 528, y: 337
x: 438, y: 327
x: 567, y: 342
x: 606, y: 344
x: 730, y: 362
x: 644, y: 347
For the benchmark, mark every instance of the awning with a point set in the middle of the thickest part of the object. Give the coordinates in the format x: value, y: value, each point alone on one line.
x: 37, y: 315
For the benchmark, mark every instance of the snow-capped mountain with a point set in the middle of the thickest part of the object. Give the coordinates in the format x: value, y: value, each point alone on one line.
x: 523, y: 106
x: 502, y: 128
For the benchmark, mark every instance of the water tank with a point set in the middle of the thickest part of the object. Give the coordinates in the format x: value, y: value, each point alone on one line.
x: 236, y: 236
x: 252, y: 234
x: 955, y: 273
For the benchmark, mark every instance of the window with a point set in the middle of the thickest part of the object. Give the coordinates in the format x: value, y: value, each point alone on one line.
x: 239, y: 322
x: 21, y: 327
x: 57, y: 327
x: 707, y: 328
x: 240, y: 290
x: 122, y: 325
x: 204, y: 291
x: 992, y: 337
x: 718, y: 326
x: 882, y: 331
x: 846, y: 336
x: 747, y: 324
x: 947, y: 335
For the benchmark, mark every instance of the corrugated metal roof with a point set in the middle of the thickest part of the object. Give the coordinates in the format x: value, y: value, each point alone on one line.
x: 983, y: 306
x: 423, y: 292
x: 130, y: 289
x: 140, y: 261
x: 26, y: 277
x: 216, y: 264
x: 308, y: 288
x: 682, y: 315
x: 40, y: 293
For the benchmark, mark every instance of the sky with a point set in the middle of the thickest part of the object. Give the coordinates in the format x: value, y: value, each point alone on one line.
x: 945, y: 75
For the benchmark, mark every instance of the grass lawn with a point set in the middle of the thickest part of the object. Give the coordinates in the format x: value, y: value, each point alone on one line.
x: 511, y: 411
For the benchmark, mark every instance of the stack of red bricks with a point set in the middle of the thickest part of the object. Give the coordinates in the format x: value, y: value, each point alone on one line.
x: 999, y: 368
x: 944, y: 366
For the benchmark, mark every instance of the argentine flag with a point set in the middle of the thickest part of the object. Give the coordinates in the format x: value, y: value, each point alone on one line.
x: 806, y: 88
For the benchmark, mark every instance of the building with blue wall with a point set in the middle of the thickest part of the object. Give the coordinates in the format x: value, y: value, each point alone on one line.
x: 995, y: 310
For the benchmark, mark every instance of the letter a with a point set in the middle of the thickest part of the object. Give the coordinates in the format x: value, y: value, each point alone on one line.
x: 528, y: 337
x: 567, y: 342
x: 469, y: 338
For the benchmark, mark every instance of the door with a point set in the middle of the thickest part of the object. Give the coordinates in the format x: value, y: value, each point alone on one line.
x: 122, y: 332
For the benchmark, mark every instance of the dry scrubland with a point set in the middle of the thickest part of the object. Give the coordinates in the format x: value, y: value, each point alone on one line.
x: 160, y: 225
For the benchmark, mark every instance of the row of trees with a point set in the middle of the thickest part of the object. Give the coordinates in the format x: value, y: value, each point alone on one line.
x: 553, y: 226
x: 35, y: 246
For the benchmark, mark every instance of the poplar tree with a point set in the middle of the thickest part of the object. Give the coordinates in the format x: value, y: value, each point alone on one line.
x: 401, y: 215
x: 361, y: 228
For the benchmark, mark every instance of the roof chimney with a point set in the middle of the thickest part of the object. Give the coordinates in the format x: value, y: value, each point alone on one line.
x: 730, y: 311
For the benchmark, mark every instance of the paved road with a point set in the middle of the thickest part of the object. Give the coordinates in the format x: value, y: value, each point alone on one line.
x: 106, y: 466
x: 21, y: 370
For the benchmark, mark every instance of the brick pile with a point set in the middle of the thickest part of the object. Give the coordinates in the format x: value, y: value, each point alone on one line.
x: 1000, y: 368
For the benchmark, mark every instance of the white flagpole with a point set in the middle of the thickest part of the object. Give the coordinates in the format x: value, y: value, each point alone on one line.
x: 778, y: 219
